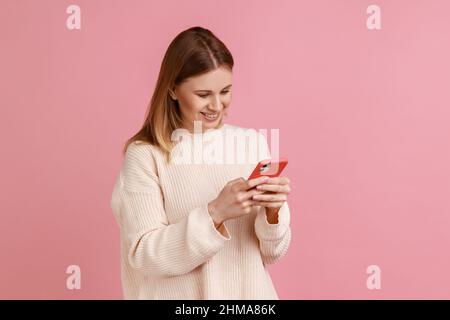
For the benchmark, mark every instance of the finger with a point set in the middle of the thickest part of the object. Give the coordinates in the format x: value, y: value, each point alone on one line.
x: 274, y: 188
x: 268, y: 204
x: 237, y: 180
x: 247, y: 203
x: 270, y: 197
x: 249, y: 194
x: 248, y: 184
x: 279, y: 180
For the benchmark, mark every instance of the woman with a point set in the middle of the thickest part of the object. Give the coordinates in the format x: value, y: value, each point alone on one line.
x: 196, y: 230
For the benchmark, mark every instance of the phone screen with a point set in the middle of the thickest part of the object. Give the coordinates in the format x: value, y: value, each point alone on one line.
x: 269, y: 167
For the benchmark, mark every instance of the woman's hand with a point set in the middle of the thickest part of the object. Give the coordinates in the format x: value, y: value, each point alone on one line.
x: 275, y: 194
x: 235, y: 199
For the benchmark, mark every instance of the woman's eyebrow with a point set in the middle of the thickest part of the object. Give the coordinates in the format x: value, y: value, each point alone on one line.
x: 228, y: 86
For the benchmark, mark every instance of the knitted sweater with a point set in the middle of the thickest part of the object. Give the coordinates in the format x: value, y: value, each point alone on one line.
x: 170, y: 248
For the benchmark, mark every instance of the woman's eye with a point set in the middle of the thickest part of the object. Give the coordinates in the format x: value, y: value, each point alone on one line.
x: 205, y: 95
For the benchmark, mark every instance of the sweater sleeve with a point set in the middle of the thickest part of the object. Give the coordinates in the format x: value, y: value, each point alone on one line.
x: 153, y: 245
x: 274, y: 239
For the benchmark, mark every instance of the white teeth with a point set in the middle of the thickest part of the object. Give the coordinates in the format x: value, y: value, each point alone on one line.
x: 210, y: 116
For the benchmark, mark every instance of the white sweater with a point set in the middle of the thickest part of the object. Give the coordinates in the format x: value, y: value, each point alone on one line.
x: 170, y: 248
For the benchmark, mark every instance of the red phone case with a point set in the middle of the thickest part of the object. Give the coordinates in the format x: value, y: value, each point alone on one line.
x: 269, y: 167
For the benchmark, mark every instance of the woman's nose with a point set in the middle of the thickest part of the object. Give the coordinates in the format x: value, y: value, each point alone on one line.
x: 216, y: 105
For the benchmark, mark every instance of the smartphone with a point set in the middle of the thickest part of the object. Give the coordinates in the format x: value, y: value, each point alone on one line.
x: 269, y: 167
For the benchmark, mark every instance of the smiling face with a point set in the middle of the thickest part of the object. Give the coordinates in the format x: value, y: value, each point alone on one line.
x: 204, y: 98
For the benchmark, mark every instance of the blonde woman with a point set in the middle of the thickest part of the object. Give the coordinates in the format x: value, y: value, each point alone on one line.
x: 196, y: 230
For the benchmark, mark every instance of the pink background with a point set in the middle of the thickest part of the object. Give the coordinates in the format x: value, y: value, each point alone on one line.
x: 363, y: 117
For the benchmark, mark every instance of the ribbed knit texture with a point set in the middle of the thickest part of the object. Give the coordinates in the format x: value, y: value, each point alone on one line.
x: 170, y: 248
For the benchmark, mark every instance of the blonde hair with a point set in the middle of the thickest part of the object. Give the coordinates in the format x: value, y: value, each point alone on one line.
x: 192, y: 52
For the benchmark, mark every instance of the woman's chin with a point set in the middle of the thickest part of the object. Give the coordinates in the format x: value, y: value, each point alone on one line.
x: 211, y: 124
x: 215, y: 125
x: 208, y: 124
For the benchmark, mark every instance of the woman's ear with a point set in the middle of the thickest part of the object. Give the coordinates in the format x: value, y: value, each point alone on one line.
x: 172, y: 94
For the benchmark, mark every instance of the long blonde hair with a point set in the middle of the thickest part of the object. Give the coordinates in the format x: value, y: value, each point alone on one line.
x: 192, y: 52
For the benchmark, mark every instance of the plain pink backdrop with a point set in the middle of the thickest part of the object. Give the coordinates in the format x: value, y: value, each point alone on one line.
x: 363, y: 118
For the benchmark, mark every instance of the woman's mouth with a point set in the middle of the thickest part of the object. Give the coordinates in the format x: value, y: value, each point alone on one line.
x: 210, y: 116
